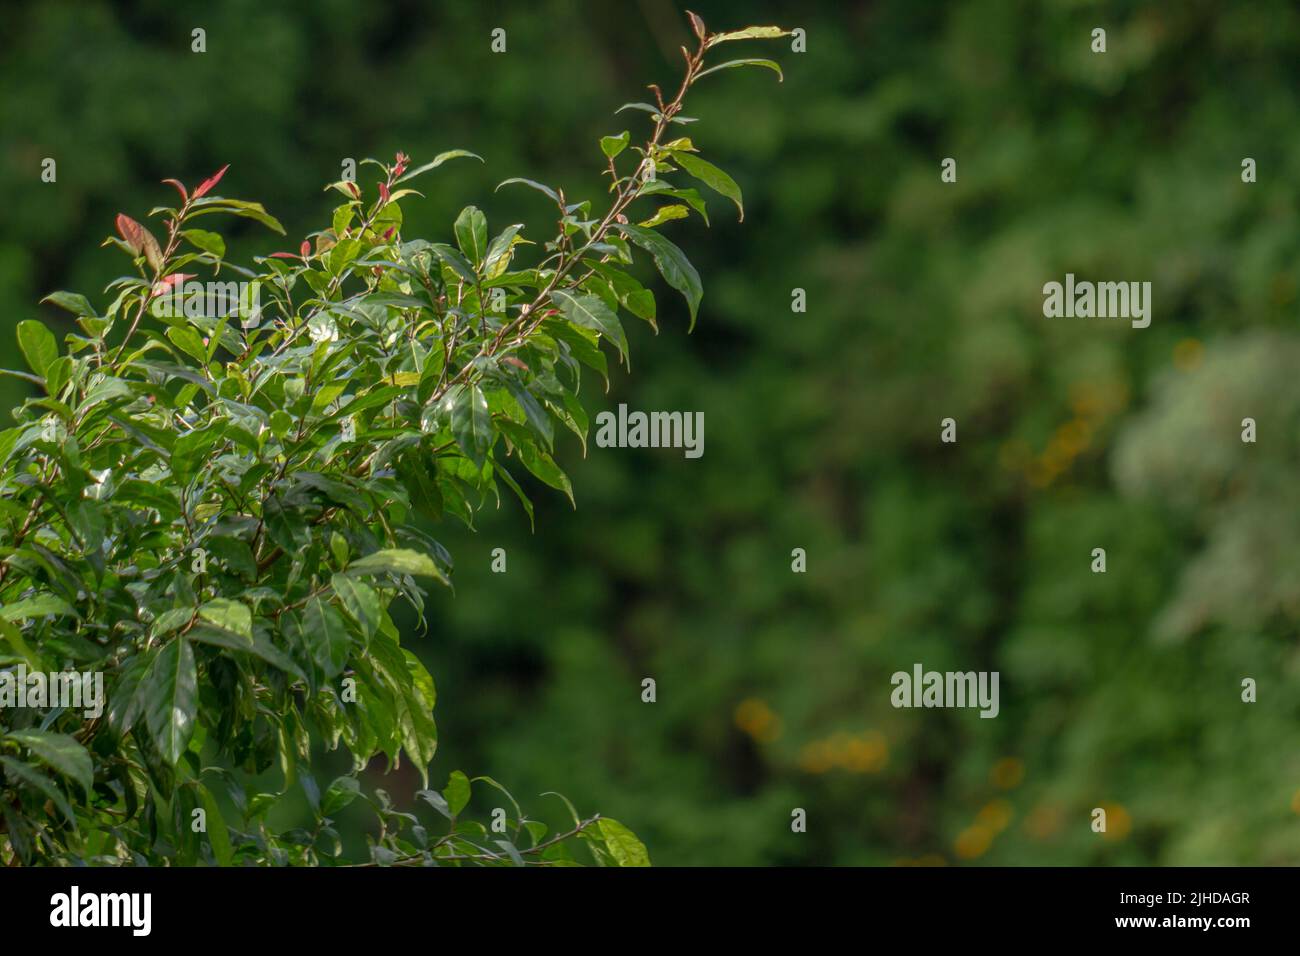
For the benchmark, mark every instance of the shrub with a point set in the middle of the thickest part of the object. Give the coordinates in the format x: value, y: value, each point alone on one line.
x: 214, y: 513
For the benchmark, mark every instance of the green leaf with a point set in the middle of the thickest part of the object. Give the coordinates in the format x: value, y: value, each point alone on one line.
x: 577, y: 820
x: 471, y: 422
x: 647, y: 107
x: 170, y: 620
x: 438, y: 161
x: 361, y: 601
x: 238, y: 207
x: 713, y: 177
x: 689, y: 196
x: 61, y: 752
x: 672, y: 264
x: 513, y: 485
x: 519, y: 813
x: 341, y: 255
x: 257, y: 645
x: 209, y: 242
x: 749, y: 33
x: 471, y: 233
x: 533, y: 183
x: 538, y: 462
x: 498, y: 253
x: 20, y: 771
x: 459, y: 264
x: 623, y: 844
x: 171, y: 698
x: 37, y: 344
x: 191, y: 451
x: 585, y: 346
x: 340, y: 793
x: 86, y: 518
x: 457, y: 792
x: 230, y: 615
x: 327, y: 636
x: 376, y: 396
x: 57, y: 375
x: 14, y: 637
x: 36, y: 606
x: 126, y: 699
x: 512, y: 851
x: 732, y: 64
x: 665, y: 214
x: 396, y: 561
x: 142, y: 494
x: 611, y: 146
x: 218, y: 833
x: 234, y: 554
x: 654, y: 112
x: 189, y: 342
x: 535, y: 414
x: 591, y: 312
x: 73, y: 302
x: 421, y: 681
x: 105, y: 390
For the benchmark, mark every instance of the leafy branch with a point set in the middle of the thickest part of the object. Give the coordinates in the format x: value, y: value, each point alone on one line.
x: 218, y: 512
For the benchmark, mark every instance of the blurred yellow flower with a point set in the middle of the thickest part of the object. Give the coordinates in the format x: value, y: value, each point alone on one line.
x: 1007, y: 773
x: 1057, y: 455
x: 866, y: 753
x: 755, y: 718
x: 1118, y: 821
x: 973, y: 842
x: 816, y: 757
x: 996, y: 815
x: 1074, y: 436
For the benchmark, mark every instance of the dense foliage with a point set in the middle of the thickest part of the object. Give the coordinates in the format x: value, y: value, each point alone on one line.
x: 923, y: 302
x: 217, y: 509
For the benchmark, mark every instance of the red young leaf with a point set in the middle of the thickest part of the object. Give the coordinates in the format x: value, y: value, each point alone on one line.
x: 132, y: 233
x: 304, y: 250
x: 383, y: 191
x: 180, y: 188
x: 166, y: 282
x: 211, y: 181
x: 282, y: 255
x: 140, y: 240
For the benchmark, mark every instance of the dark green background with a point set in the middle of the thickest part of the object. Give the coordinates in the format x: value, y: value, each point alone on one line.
x: 1119, y: 690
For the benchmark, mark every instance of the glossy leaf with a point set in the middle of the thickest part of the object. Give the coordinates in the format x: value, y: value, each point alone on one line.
x: 37, y: 344
x: 672, y: 264
x: 713, y: 177
x: 171, y: 698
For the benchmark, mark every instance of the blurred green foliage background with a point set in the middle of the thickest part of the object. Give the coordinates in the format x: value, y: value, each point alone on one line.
x: 1119, y: 690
